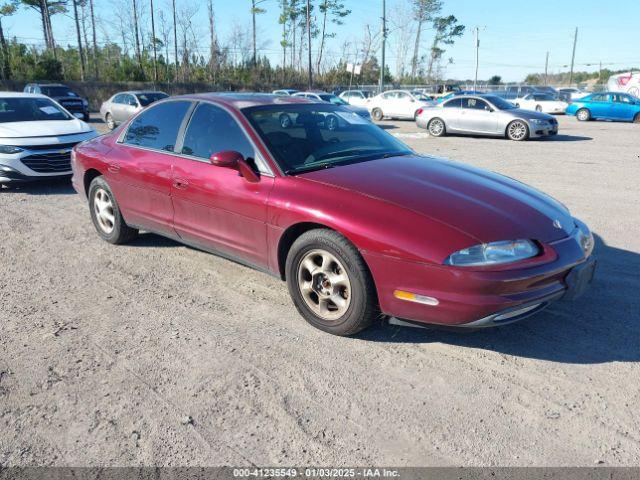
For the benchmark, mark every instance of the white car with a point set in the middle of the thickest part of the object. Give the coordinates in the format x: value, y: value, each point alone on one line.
x: 36, y: 137
x: 541, y: 102
x: 358, y: 98
x: 396, y: 104
x: 572, y: 93
x: 335, y: 100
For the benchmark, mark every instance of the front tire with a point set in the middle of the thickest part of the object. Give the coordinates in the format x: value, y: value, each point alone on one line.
x: 636, y: 119
x: 437, y: 128
x: 105, y: 214
x: 330, y: 284
x: 377, y: 114
x: 583, y: 115
x: 538, y: 108
x: 518, y: 131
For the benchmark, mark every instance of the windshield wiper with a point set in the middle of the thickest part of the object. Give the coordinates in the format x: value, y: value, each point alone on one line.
x: 309, y: 168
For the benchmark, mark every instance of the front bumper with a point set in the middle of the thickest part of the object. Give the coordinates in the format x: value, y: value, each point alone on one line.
x: 481, y: 298
x: 544, y: 130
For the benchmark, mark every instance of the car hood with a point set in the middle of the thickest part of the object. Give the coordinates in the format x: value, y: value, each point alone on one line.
x: 356, y: 109
x: 46, y: 128
x: 482, y: 204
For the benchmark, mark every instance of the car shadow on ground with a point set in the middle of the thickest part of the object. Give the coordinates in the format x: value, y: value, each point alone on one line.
x: 601, y: 326
x: 566, y: 138
x: 60, y: 186
x: 147, y: 239
x: 386, y: 126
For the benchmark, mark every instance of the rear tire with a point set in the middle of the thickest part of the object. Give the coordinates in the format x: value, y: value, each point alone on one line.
x: 583, y: 115
x: 377, y: 114
x: 437, y: 127
x: 636, y: 119
x: 518, y: 131
x: 105, y: 214
x: 330, y: 283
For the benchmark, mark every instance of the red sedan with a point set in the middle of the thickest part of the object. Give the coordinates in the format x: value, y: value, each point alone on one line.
x: 356, y: 222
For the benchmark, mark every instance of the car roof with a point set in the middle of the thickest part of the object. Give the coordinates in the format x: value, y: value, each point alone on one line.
x: 244, y: 100
x: 21, y: 95
x: 49, y: 84
x: 139, y: 92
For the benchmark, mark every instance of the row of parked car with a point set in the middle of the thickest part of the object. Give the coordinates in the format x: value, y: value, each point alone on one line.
x: 354, y: 221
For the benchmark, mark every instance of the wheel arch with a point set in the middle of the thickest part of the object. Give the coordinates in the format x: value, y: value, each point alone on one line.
x: 89, y: 175
x: 293, y: 232
x: 517, y: 119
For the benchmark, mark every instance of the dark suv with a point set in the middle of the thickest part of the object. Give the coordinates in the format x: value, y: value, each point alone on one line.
x: 74, y: 103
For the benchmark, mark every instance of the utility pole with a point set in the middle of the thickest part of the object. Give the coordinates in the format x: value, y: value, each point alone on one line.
x: 309, y: 41
x: 384, y: 42
x: 475, y: 79
x: 573, y: 56
x: 153, y: 42
x: 546, y: 69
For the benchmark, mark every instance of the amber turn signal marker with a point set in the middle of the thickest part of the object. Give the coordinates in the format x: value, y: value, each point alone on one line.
x: 414, y: 297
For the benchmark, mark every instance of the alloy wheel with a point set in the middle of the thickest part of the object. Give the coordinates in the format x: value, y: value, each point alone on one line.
x: 103, y: 209
x: 324, y: 284
x: 110, y: 123
x: 583, y: 115
x: 517, y: 130
x: 436, y: 127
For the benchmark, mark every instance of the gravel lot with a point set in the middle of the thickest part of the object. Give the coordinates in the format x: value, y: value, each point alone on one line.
x: 157, y: 354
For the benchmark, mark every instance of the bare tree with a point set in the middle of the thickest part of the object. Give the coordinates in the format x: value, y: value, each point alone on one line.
x: 80, y: 49
x: 401, y: 31
x: 136, y: 30
x: 214, y: 47
x: 424, y: 12
x: 255, y: 10
x: 334, y: 11
x: 96, y: 69
x: 165, y: 32
x: 153, y: 44
x: 175, y: 37
x: 46, y: 9
x: 6, y: 10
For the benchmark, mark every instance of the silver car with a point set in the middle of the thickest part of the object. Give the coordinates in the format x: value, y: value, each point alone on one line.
x: 123, y: 105
x: 487, y: 115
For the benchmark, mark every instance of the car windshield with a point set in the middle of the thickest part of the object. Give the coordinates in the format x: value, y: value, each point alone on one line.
x: 307, y: 137
x: 500, y: 103
x: 150, y: 97
x: 57, y: 91
x: 332, y: 99
x: 30, y: 110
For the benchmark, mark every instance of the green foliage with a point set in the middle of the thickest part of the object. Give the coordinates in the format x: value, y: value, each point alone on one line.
x: 495, y: 80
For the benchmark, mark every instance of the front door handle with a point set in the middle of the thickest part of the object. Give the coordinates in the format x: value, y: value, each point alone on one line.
x: 180, y: 183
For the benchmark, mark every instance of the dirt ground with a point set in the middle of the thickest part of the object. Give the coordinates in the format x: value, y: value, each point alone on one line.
x: 158, y: 354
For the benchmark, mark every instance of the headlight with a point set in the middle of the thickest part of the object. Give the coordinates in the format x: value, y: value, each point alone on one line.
x: 585, y: 237
x: 85, y: 103
x: 493, y: 253
x: 10, y: 149
x: 536, y: 121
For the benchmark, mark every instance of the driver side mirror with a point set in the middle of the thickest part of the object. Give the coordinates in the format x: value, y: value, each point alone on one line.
x: 235, y: 161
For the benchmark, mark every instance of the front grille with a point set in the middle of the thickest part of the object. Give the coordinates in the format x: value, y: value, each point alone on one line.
x: 49, y: 162
x: 57, y: 146
x: 72, y: 106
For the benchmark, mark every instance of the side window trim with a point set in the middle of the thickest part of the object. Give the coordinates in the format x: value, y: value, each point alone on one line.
x: 263, y: 166
x: 123, y: 135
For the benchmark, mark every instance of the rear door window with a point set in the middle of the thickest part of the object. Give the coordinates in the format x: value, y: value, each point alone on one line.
x: 157, y: 128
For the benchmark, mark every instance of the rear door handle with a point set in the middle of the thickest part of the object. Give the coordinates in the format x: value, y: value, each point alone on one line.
x: 180, y: 183
x: 113, y: 168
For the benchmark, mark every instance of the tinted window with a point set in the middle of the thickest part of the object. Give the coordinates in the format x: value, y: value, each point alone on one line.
x: 18, y: 109
x: 621, y: 98
x: 157, y: 127
x: 119, y: 98
x: 599, y: 98
x: 148, y: 98
x: 211, y: 130
x: 130, y: 100
x: 455, y: 103
x: 475, y: 104
x: 57, y: 91
x: 500, y: 103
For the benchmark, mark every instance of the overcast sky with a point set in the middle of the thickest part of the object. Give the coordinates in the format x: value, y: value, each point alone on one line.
x: 514, y: 37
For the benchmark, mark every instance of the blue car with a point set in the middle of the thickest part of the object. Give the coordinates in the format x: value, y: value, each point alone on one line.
x: 606, y: 106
